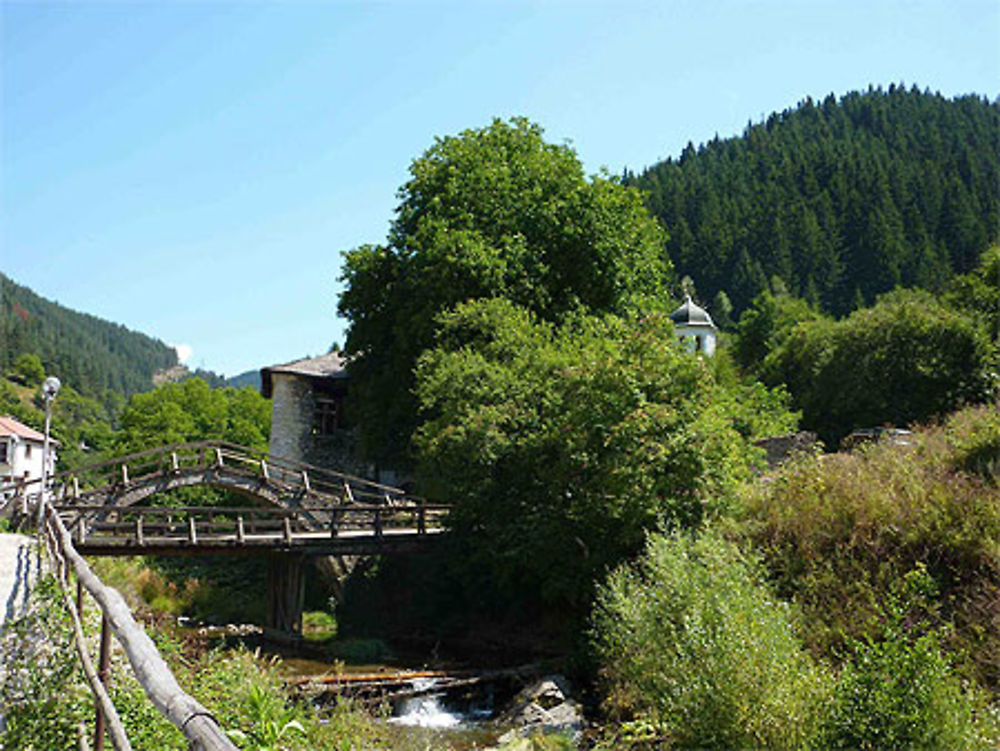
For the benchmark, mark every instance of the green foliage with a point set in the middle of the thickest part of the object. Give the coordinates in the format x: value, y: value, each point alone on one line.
x: 978, y: 292
x: 766, y: 324
x: 272, y: 722
x: 898, y: 691
x: 41, y: 689
x: 841, y: 199
x: 192, y: 411
x: 691, y: 642
x: 906, y: 359
x: 975, y: 439
x: 562, y: 445
x: 92, y: 355
x: 836, y: 532
x: 29, y: 368
x: 491, y: 213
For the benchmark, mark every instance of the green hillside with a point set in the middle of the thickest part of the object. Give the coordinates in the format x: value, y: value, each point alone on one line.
x: 91, y: 354
x: 841, y: 199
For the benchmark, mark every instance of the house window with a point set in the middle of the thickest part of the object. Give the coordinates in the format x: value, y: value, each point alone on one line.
x: 27, y: 451
x: 326, y: 418
x: 3, y: 452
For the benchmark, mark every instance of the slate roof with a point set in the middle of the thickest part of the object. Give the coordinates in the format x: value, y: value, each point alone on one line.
x: 689, y: 314
x: 332, y: 365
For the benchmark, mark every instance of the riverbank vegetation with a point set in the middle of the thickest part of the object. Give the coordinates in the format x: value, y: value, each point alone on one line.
x: 864, y: 586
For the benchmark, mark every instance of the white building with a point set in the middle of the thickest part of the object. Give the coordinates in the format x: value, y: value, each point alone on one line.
x: 694, y: 327
x: 21, y: 452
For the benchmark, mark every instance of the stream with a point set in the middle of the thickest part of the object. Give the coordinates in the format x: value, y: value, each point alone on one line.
x: 458, y: 718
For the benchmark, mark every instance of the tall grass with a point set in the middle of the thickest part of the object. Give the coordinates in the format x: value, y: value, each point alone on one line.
x: 838, y: 531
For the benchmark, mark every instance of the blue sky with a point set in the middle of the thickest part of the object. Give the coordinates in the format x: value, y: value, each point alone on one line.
x: 193, y: 170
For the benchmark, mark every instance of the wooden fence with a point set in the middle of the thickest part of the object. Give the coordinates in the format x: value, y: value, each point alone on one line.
x: 197, y: 724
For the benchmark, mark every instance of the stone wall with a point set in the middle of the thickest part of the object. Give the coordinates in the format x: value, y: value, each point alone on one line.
x: 780, y: 448
x: 293, y: 435
x: 291, y: 416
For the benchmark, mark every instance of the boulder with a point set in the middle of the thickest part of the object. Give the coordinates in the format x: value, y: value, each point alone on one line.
x: 544, y: 706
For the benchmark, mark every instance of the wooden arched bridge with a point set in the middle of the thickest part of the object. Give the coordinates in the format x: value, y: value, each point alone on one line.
x: 292, y: 507
x: 293, y: 510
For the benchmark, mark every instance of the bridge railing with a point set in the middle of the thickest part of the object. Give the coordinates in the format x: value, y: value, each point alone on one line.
x: 89, y: 483
x: 245, y: 525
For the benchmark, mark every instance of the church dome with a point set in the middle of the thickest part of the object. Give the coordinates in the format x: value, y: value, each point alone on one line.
x: 690, y: 314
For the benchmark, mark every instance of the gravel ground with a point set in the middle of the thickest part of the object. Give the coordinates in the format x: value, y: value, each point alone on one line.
x: 18, y: 568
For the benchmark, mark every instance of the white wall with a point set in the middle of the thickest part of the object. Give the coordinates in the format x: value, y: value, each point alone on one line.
x: 25, y: 456
x: 690, y: 335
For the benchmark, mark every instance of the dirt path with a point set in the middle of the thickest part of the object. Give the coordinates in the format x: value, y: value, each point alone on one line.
x: 18, y: 569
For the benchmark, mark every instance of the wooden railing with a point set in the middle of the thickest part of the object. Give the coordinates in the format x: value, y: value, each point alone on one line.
x: 307, y: 504
x: 197, y: 724
x: 245, y: 526
x: 291, y: 477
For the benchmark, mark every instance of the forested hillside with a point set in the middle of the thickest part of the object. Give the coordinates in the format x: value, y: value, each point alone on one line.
x: 842, y: 199
x: 91, y: 354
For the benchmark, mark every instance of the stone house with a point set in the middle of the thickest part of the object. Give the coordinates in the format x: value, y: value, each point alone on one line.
x: 308, y: 423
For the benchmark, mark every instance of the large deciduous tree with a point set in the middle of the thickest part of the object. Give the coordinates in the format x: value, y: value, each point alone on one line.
x: 490, y: 213
x: 562, y: 445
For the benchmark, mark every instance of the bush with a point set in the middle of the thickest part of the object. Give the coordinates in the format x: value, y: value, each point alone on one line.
x: 41, y: 683
x: 899, y: 692
x: 837, y: 531
x: 29, y: 369
x: 974, y: 435
x: 691, y: 641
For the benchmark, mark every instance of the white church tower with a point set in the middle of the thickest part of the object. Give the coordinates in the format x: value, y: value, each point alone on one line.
x: 694, y: 327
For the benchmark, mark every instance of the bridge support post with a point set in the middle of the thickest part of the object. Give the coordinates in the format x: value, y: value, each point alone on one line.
x: 285, y: 592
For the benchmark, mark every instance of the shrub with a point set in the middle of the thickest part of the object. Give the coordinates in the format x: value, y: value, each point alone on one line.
x: 974, y: 435
x: 836, y: 532
x: 41, y: 683
x: 899, y: 692
x: 691, y: 640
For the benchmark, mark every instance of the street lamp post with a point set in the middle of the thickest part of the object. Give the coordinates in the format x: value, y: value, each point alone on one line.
x: 49, y: 390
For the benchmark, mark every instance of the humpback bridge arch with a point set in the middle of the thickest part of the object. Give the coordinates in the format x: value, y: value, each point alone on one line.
x: 294, y: 511
x: 295, y: 506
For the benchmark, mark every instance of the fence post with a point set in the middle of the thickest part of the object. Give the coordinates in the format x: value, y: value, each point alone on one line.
x: 104, y: 673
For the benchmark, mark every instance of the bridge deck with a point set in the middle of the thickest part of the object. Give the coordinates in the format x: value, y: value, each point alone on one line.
x: 347, y: 542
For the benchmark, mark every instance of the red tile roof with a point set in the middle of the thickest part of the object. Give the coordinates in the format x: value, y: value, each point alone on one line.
x: 10, y: 426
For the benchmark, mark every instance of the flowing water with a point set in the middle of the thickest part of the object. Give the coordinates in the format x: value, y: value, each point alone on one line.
x: 435, y: 720
x: 454, y: 720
